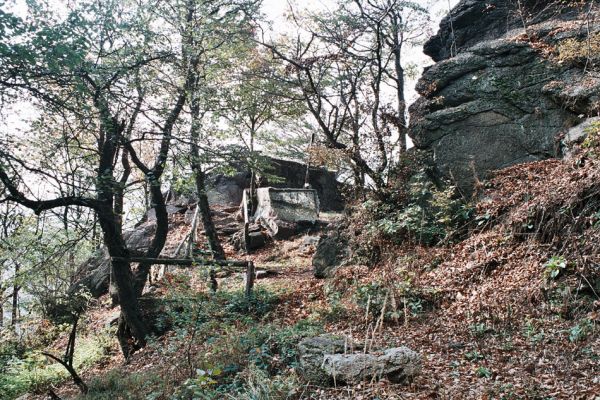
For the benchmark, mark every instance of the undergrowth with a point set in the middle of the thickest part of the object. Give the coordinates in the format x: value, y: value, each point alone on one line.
x: 220, y: 347
x: 25, y: 370
x: 416, y: 212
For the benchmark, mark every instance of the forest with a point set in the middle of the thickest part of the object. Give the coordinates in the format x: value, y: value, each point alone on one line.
x: 310, y: 199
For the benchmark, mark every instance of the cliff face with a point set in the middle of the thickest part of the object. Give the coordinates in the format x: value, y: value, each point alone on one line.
x: 499, y: 94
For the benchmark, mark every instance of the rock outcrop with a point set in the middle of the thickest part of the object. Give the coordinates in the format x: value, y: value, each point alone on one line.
x: 228, y: 189
x: 501, y: 94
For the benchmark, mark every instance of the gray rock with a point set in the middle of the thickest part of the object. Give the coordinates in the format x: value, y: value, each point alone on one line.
x: 264, y: 274
x: 310, y: 240
x: 228, y: 189
x: 312, y: 352
x: 256, y: 239
x: 94, y: 274
x: 329, y: 359
x: 500, y: 101
x: 283, y: 212
x: 578, y: 133
x: 309, y: 244
x: 397, y: 365
x: 171, y: 209
x: 475, y: 21
x: 332, y: 251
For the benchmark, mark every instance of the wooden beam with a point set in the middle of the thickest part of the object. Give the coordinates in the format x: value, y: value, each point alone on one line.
x: 248, y: 265
x: 183, y: 261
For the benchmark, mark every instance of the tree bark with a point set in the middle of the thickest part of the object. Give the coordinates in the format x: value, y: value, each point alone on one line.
x: 160, y: 236
x: 397, y: 43
x: 209, y: 226
x: 200, y: 180
x: 15, y: 298
x: 1, y: 307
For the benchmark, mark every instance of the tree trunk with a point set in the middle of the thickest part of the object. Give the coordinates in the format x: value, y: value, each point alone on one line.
x: 200, y: 179
x: 160, y: 236
x: 253, y: 204
x: 15, y: 298
x: 209, y: 226
x: 1, y: 308
x: 398, y: 42
x: 132, y: 330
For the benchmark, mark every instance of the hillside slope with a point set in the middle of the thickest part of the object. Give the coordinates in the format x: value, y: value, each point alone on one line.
x: 512, y: 311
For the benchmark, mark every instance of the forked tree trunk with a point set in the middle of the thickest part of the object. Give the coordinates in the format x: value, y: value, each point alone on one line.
x: 160, y: 236
x: 132, y: 330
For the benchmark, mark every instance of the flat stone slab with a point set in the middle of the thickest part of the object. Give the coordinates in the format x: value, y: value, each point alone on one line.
x: 281, y: 210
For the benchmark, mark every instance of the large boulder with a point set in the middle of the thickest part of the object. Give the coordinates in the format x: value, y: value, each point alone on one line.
x: 312, y: 352
x: 475, y: 21
x: 331, y: 252
x: 229, y: 189
x: 498, y: 96
x: 397, y: 365
x: 329, y: 359
x: 284, y: 211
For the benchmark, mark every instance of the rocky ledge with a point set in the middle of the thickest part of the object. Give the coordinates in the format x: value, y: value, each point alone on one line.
x: 503, y: 91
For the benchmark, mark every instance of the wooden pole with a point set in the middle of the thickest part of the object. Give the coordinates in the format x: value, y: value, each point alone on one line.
x: 249, y: 265
x: 250, y: 274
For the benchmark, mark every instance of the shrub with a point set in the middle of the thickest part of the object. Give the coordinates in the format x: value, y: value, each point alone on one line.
x: 260, y: 303
x: 270, y: 347
x: 239, y: 356
x: 257, y: 385
x: 336, y: 310
x: 427, y: 216
x: 398, y: 299
x: 555, y: 266
x: 31, y: 372
x: 252, y: 384
x: 116, y: 384
x: 592, y: 140
x: 483, y: 372
x: 581, y: 331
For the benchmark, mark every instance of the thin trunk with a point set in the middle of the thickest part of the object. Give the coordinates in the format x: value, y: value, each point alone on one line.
x: 200, y: 179
x: 209, y: 226
x: 67, y: 360
x: 1, y: 307
x: 252, y: 172
x: 120, y: 189
x: 399, y: 72
x: 160, y: 236
x: 307, y: 174
x: 15, y: 298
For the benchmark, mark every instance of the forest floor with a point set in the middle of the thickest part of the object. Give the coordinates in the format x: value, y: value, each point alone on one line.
x: 507, y: 313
